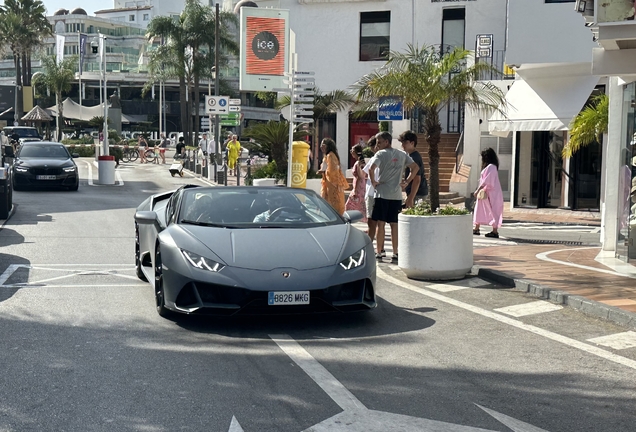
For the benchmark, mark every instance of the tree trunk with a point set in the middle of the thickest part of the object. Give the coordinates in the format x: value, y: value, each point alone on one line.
x: 60, y: 118
x: 433, y: 137
x: 18, y: 88
x: 197, y: 98
x: 184, y: 108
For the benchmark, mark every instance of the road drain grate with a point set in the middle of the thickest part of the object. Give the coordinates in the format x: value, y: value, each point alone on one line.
x: 541, y: 241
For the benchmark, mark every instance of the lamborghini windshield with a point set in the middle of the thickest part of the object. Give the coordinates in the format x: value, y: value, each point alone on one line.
x: 250, y: 207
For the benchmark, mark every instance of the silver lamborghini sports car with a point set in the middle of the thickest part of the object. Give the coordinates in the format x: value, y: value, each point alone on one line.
x: 252, y: 250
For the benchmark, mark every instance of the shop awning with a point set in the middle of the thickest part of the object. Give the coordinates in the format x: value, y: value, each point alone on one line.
x: 543, y: 104
x: 71, y: 110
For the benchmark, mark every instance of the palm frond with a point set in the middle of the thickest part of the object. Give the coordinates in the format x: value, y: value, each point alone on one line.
x: 589, y: 125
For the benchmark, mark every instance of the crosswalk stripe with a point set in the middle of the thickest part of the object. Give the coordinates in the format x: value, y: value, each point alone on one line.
x: 532, y: 308
x: 617, y: 341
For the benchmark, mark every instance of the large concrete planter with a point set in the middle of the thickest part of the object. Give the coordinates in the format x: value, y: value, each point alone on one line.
x: 264, y: 182
x: 313, y: 184
x: 435, y: 247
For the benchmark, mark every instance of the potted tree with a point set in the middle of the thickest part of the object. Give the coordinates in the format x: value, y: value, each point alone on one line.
x: 434, y: 243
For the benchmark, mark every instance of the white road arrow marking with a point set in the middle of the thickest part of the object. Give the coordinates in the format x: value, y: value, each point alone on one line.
x: 358, y: 418
x: 235, y: 426
x: 512, y: 423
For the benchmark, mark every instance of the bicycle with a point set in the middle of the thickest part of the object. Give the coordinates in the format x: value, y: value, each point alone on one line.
x: 150, y: 156
x: 129, y: 154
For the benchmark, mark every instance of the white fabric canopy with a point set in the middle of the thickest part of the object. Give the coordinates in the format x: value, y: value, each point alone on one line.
x: 71, y: 110
x: 543, y: 104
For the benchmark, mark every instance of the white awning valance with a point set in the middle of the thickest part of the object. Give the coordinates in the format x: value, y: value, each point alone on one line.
x: 543, y: 104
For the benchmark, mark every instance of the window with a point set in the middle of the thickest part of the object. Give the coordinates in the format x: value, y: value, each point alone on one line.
x: 375, y: 35
x: 131, y: 17
x: 453, y: 25
x: 146, y: 17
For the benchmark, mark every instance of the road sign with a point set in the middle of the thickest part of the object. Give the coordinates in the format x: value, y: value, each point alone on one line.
x: 304, y: 113
x: 297, y: 119
x: 216, y: 104
x: 235, y: 108
x: 299, y: 73
x: 390, y: 108
x: 304, y: 93
x: 229, y: 122
x: 304, y: 106
x: 304, y: 80
x: 235, y: 102
x: 303, y: 99
x: 230, y: 116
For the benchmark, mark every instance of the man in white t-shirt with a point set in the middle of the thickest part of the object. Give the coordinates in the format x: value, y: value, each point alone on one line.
x: 388, y: 189
x: 370, y: 192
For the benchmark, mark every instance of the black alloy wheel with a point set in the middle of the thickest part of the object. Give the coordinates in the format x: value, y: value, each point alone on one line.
x: 159, y: 293
x: 140, y: 273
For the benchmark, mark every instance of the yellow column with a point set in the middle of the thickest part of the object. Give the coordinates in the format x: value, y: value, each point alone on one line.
x: 300, y: 150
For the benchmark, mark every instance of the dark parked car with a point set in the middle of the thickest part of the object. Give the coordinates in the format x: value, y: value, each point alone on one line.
x: 246, y: 250
x: 46, y: 164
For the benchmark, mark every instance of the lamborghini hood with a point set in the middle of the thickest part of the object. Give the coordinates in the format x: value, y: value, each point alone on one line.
x: 270, y: 248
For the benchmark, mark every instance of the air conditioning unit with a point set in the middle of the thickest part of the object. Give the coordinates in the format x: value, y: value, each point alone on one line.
x: 585, y: 7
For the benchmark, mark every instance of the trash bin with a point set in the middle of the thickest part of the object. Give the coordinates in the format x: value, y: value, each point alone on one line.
x: 220, y: 176
x: 300, y: 150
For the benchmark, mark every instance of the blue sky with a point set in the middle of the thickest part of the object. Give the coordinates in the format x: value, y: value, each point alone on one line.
x: 90, y: 6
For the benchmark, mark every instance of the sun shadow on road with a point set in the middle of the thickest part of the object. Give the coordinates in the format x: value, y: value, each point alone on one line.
x: 385, y: 320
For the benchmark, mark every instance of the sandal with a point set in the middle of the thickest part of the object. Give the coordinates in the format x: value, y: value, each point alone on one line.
x: 476, y: 232
x: 492, y: 235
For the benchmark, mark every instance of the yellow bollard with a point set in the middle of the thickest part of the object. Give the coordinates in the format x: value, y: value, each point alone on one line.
x: 300, y: 150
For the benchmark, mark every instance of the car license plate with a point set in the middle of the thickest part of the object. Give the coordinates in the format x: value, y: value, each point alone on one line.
x: 288, y: 297
x: 46, y: 177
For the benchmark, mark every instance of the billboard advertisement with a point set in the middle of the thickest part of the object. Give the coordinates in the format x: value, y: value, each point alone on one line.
x: 264, y: 48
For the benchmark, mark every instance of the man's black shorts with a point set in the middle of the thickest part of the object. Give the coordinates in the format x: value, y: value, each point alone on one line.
x: 386, y: 210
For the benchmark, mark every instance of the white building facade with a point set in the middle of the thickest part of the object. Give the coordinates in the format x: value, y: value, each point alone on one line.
x: 342, y: 40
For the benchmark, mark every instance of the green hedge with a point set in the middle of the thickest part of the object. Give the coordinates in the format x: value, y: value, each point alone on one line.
x: 89, y: 151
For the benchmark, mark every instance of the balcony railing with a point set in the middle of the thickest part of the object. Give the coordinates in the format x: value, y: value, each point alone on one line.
x: 497, y: 61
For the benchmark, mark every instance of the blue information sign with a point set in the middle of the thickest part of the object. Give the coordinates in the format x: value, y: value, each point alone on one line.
x: 390, y: 108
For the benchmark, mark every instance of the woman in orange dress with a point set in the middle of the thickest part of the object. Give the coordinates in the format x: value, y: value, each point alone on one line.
x: 333, y: 182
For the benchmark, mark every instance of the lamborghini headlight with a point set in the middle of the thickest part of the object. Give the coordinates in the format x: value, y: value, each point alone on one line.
x: 354, y: 261
x: 202, y: 263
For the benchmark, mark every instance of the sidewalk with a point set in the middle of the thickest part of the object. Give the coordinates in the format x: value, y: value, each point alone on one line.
x: 581, y: 277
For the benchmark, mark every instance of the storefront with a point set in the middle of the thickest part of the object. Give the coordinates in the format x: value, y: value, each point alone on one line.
x: 626, y: 212
x: 538, y: 113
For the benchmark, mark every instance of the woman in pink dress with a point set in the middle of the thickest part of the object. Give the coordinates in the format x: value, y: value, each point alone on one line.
x: 489, y: 206
x: 356, y: 200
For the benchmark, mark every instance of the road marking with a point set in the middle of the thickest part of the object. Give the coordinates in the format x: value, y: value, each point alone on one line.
x: 358, y: 418
x: 446, y: 287
x: 617, y: 341
x: 119, y: 181
x: 336, y: 391
x: 532, y: 308
x: 544, y: 257
x: 512, y: 423
x: 582, y: 346
x: 235, y: 426
x: 111, y: 270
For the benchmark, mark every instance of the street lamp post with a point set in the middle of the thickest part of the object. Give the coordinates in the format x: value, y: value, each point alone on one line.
x: 102, y: 41
x: 15, y: 105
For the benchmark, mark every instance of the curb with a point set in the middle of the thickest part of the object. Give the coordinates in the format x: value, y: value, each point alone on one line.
x: 588, y: 307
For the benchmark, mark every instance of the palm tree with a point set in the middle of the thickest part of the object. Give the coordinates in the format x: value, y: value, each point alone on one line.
x: 169, y: 60
x: 182, y: 56
x: 589, y: 125
x: 273, y: 139
x: 324, y: 104
x: 23, y: 26
x: 200, y: 23
x: 428, y: 79
x: 58, y: 79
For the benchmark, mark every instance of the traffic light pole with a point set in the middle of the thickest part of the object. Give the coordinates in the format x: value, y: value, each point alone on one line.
x: 217, y: 127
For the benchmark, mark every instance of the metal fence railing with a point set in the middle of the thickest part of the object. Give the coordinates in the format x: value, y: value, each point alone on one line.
x: 497, y: 61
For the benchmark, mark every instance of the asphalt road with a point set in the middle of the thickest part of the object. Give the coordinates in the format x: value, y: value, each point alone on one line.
x: 82, y: 348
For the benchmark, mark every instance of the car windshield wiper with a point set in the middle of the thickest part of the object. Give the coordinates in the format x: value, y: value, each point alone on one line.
x: 208, y: 224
